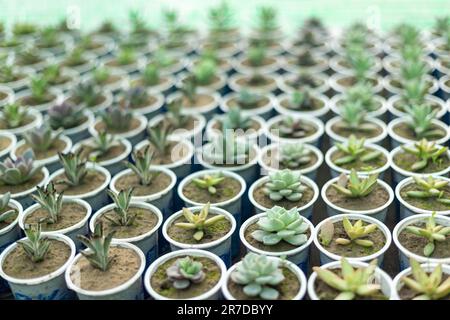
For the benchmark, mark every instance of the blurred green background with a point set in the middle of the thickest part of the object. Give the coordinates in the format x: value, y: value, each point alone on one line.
x: 380, y: 13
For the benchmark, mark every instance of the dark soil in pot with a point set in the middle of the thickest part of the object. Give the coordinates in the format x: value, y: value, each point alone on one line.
x: 101, y: 126
x: 353, y: 250
x: 92, y: 181
x: 125, y: 265
x: 33, y: 182
x: 99, y: 100
x: 62, y: 79
x: 140, y: 82
x: 264, y: 200
x: 18, y: 265
x: 145, y: 221
x: 415, y: 244
x: 308, y: 128
x: 398, y: 84
x: 215, y: 79
x: 377, y: 198
x: 215, y: 232
x: 248, y: 159
x: 316, y: 104
x: 55, y: 147
x: 273, y: 160
x: 349, y: 81
x: 339, y: 128
x: 266, y: 61
x: 359, y: 165
x: 405, y: 293
x: 190, y: 124
x: 300, y: 83
x: 406, y: 160
x: 226, y: 189
x: 255, y: 82
x: 234, y: 102
x: 287, y: 289
x: 4, y: 224
x: 115, y: 63
x: 201, y: 100
x: 28, y: 119
x: 31, y: 101
x: 112, y: 78
x: 112, y: 152
x: 149, y: 102
x: 405, y: 131
x: 131, y: 180
x: 325, y: 292
x: 163, y: 286
x: 71, y: 213
x: 176, y: 151
x: 255, y: 126
x: 400, y: 103
x: 425, y: 203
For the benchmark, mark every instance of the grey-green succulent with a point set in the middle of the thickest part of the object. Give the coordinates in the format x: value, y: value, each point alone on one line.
x: 184, y: 272
x: 35, y: 246
x: 235, y: 119
x: 420, y: 120
x: 19, y: 171
x: 99, y: 245
x: 75, y: 169
x: 284, y: 184
x: 50, y: 201
x: 294, y: 155
x: 122, y: 201
x: 142, y: 166
x: 41, y: 138
x: 7, y: 214
x: 14, y: 115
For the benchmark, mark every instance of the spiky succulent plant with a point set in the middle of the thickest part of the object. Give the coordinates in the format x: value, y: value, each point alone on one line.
x: 266, y: 19
x: 136, y: 97
x: 175, y: 115
x: 247, y: 99
x: 142, y: 166
x: 75, y: 57
x: 14, y: 115
x: 87, y: 93
x: 100, y: 144
x: 199, y: 221
x: 27, y: 57
x: 122, y: 201
x: 353, y: 282
x: 75, y: 169
x: 280, y: 224
x: 361, y: 93
x: 414, y: 92
x: 50, y: 201
x: 256, y: 56
x: 7, y: 214
x: 294, y: 155
x: 41, y: 138
x: 430, y: 187
x: 426, y: 152
x: 189, y: 89
x: 235, y: 119
x: 360, y: 62
x: 420, y: 120
x: 354, y: 186
x: 101, y: 75
x: 117, y: 118
x: 209, y: 181
x: 354, y: 118
x: 221, y: 17
x: 35, y: 246
x: 226, y: 148
x: 411, y: 70
x: 126, y: 56
x: 259, y: 274
x: 159, y: 138
x: 204, y: 72
x: 99, y: 245
x: 354, y: 150
x: 301, y: 100
x: 292, y: 128
x: 284, y: 184
x: 65, y: 115
x: 138, y: 23
x: 19, y: 171
x: 185, y: 271
x: 427, y: 286
x: 151, y: 74
x: 432, y: 232
x: 39, y: 87
x: 355, y: 232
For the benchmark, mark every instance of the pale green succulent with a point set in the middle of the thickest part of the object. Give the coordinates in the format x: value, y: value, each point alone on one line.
x: 430, y: 187
x: 185, y: 271
x: 355, y: 232
x: 280, y: 224
x: 285, y: 184
x: 354, y: 118
x: 99, y: 246
x: 235, y: 119
x: 293, y: 155
x: 420, y: 120
x: 159, y: 138
x: 259, y: 274
x: 205, y: 72
x: 353, y: 150
x: 426, y: 151
x: 209, y: 181
x: 35, y: 246
x: 122, y: 201
x: 355, y: 187
x: 362, y: 93
x: 14, y: 115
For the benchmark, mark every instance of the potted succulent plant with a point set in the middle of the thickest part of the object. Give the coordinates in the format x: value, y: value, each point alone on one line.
x: 142, y: 102
x: 350, y: 280
x: 98, y: 45
x: 425, y: 194
x: 81, y: 180
x: 24, y: 30
x: 423, y: 157
x: 31, y: 59
x: 302, y: 103
x: 34, y: 266
x: 6, y: 96
x: 50, y: 40
x: 357, y: 194
x: 169, y: 153
x: 79, y: 60
x: 40, y: 96
x: 222, y: 25
x: 150, y: 183
x: 204, y: 227
x: 108, y: 79
x: 90, y: 96
x: 132, y: 221
x: 356, y: 237
x: 419, y: 123
x: 61, y: 79
x: 89, y: 274
x: 187, y: 274
x: 427, y: 281
x: 356, y: 154
x: 256, y: 60
x: 72, y: 119
x: 280, y: 233
x: 250, y: 103
x: 168, y: 63
x: 14, y: 77
x: 288, y: 128
x: 46, y: 144
x: 291, y: 82
x: 105, y: 150
x: 293, y: 155
x: 424, y: 238
x: 56, y: 215
x: 360, y: 36
x: 125, y: 59
x: 153, y: 79
x: 351, y: 61
x: 254, y: 82
x: 7, y: 144
x: 304, y: 61
x: 17, y: 120
x: 206, y: 74
x: 286, y: 189
x: 260, y: 277
x: 410, y: 71
x: 267, y: 31
x: 108, y: 29
x: 20, y: 177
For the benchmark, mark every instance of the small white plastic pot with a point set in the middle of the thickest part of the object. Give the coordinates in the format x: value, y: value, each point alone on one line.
x: 392, y: 64
x: 107, y: 102
x: 375, y: 45
x: 392, y: 43
x: 283, y: 80
x: 147, y: 242
x: 234, y: 85
x: 327, y: 256
x: 49, y: 287
x: 179, y: 64
x: 240, y: 67
x: 220, y: 247
x: 130, y: 68
x: 130, y: 290
x: 74, y: 80
x: 310, y: 172
x: 403, y: 253
x: 427, y: 267
x: 431, y: 99
x: 81, y: 131
x: 397, y: 140
x: 299, y: 256
x: 338, y: 98
x: 292, y: 47
x: 320, y: 113
x: 107, y: 46
x: 80, y: 228
x: 208, y: 110
x: 24, y: 197
x: 43, y: 108
x: 393, y: 90
x: 217, y: 86
x: 162, y: 199
x: 114, y: 165
x: 224, y: 64
x: 183, y: 166
x: 264, y: 111
x: 116, y: 86
x: 377, y: 213
x: 334, y: 137
x: 380, y: 277
x: 134, y: 136
x: 52, y: 163
x: 212, y: 294
x: 399, y: 174
x: 12, y: 144
x: 89, y: 64
x: 287, y: 63
x: 8, y: 95
x: 408, y: 210
x: 336, y: 86
x: 165, y: 87
x: 336, y: 170
x: 96, y: 198
x: 305, y: 211
x: 337, y: 66
x: 313, y: 139
x: 444, y: 85
x: 284, y: 263
x: 232, y: 49
x: 151, y: 110
x: 24, y: 81
x: 19, y: 131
